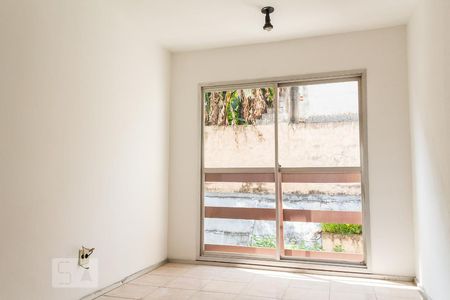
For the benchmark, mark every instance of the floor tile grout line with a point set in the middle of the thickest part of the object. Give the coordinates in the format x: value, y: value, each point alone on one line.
x: 120, y: 297
x: 244, y: 284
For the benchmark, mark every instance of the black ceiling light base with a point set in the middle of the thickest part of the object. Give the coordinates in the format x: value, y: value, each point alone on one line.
x: 267, y: 11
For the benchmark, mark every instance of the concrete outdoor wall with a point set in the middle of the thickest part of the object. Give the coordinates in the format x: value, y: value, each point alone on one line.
x: 381, y: 52
x: 254, y: 146
x: 429, y: 73
x: 83, y: 143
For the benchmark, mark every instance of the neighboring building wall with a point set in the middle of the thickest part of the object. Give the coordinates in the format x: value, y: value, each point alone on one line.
x: 382, y: 53
x: 238, y: 145
x: 429, y: 75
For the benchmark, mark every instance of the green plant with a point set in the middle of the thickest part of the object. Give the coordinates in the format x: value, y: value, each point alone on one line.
x: 263, y: 241
x: 269, y: 94
x: 338, y: 248
x: 344, y: 229
x: 233, y: 107
x: 237, y: 107
x: 316, y: 246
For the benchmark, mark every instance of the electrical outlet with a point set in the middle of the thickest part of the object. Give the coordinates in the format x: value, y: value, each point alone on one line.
x: 83, y: 256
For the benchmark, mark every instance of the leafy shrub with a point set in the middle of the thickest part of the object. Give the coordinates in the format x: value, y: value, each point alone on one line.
x: 237, y: 107
x: 338, y: 248
x: 316, y: 246
x: 344, y: 229
x: 264, y: 241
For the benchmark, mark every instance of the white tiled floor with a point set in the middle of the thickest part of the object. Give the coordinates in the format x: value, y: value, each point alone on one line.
x: 182, y: 282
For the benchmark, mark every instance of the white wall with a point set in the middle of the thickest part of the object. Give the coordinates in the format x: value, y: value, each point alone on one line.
x: 382, y: 53
x: 83, y: 143
x: 429, y: 73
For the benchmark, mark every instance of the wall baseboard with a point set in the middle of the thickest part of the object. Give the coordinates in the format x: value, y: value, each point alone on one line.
x: 422, y: 290
x: 133, y: 276
x: 298, y: 270
x: 125, y: 280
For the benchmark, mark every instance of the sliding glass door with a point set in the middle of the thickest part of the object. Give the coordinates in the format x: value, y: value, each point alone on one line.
x: 282, y: 173
x: 319, y: 158
x: 239, y: 158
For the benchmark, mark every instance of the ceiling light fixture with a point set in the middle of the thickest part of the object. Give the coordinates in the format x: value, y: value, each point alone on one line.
x: 267, y: 11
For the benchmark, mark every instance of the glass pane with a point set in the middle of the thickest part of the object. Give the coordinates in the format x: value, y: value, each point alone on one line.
x: 302, y: 236
x: 322, y: 196
x: 240, y: 194
x: 232, y: 231
x: 235, y: 232
x: 239, y: 128
x: 319, y: 125
x: 324, y: 237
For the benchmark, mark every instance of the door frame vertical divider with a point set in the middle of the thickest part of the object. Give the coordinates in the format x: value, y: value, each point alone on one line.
x: 278, y: 193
